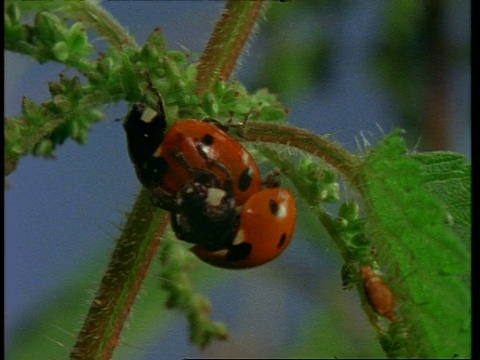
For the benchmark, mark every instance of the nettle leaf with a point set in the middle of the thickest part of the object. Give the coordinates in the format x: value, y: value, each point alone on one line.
x: 428, y: 266
x: 448, y: 176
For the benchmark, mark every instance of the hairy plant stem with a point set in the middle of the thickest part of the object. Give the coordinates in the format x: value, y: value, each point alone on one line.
x: 122, y: 281
x: 227, y: 43
x: 316, y: 145
x: 103, y: 22
x: 140, y: 239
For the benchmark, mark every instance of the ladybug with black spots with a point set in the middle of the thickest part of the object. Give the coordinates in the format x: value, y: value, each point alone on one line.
x: 212, y: 187
x: 164, y: 162
x: 205, y: 211
x: 266, y: 225
x: 234, y: 237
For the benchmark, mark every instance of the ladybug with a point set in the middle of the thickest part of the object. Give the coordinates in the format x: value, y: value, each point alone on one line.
x: 206, y: 214
x: 205, y: 211
x: 166, y: 162
x: 379, y: 295
x: 145, y: 129
x: 266, y: 224
x: 192, y: 144
x: 212, y: 187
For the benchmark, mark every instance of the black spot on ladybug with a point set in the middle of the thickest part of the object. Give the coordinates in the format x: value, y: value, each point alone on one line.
x: 282, y: 240
x: 239, y: 252
x: 245, y: 179
x: 208, y: 139
x: 273, y: 207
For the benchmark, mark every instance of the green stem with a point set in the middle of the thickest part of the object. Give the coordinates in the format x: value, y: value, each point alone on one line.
x: 319, y: 146
x: 22, y: 133
x: 103, y: 22
x: 21, y: 136
x: 83, y: 65
x: 136, y: 248
x: 87, y: 11
x: 122, y: 281
x: 227, y: 43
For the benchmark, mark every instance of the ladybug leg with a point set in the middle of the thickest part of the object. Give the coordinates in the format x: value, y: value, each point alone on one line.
x: 203, y: 176
x: 240, y: 126
x: 247, y: 118
x: 272, y: 180
x: 207, y: 177
x: 163, y: 203
x: 230, y: 123
x: 160, y: 103
x: 181, y: 158
x: 216, y: 123
x: 228, y: 184
x: 163, y: 199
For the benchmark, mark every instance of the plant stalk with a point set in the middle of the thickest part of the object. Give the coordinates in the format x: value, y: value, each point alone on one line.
x: 227, y: 43
x: 122, y: 281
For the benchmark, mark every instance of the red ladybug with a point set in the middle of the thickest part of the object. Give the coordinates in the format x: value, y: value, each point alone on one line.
x: 212, y: 187
x: 165, y: 163
x: 267, y: 222
x: 202, y: 145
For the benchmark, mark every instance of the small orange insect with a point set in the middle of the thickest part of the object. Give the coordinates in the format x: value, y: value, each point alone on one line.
x: 379, y: 294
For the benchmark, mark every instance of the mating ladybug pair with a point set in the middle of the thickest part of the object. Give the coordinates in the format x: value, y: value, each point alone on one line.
x: 212, y: 187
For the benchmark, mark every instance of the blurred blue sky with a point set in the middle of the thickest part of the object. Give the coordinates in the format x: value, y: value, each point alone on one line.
x: 63, y: 214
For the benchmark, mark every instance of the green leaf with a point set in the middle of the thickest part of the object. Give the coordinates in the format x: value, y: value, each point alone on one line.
x: 425, y: 262
x: 448, y: 176
x: 78, y: 41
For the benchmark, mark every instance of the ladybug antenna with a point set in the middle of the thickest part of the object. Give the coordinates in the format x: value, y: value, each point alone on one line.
x: 212, y: 163
x: 218, y: 124
x: 160, y: 103
x: 228, y: 184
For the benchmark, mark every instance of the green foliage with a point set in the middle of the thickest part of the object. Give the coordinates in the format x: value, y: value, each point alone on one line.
x: 319, y: 182
x: 425, y: 259
x: 181, y: 295
x: 48, y: 39
x: 121, y: 73
x: 404, y: 233
x: 447, y: 175
x: 410, y: 219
